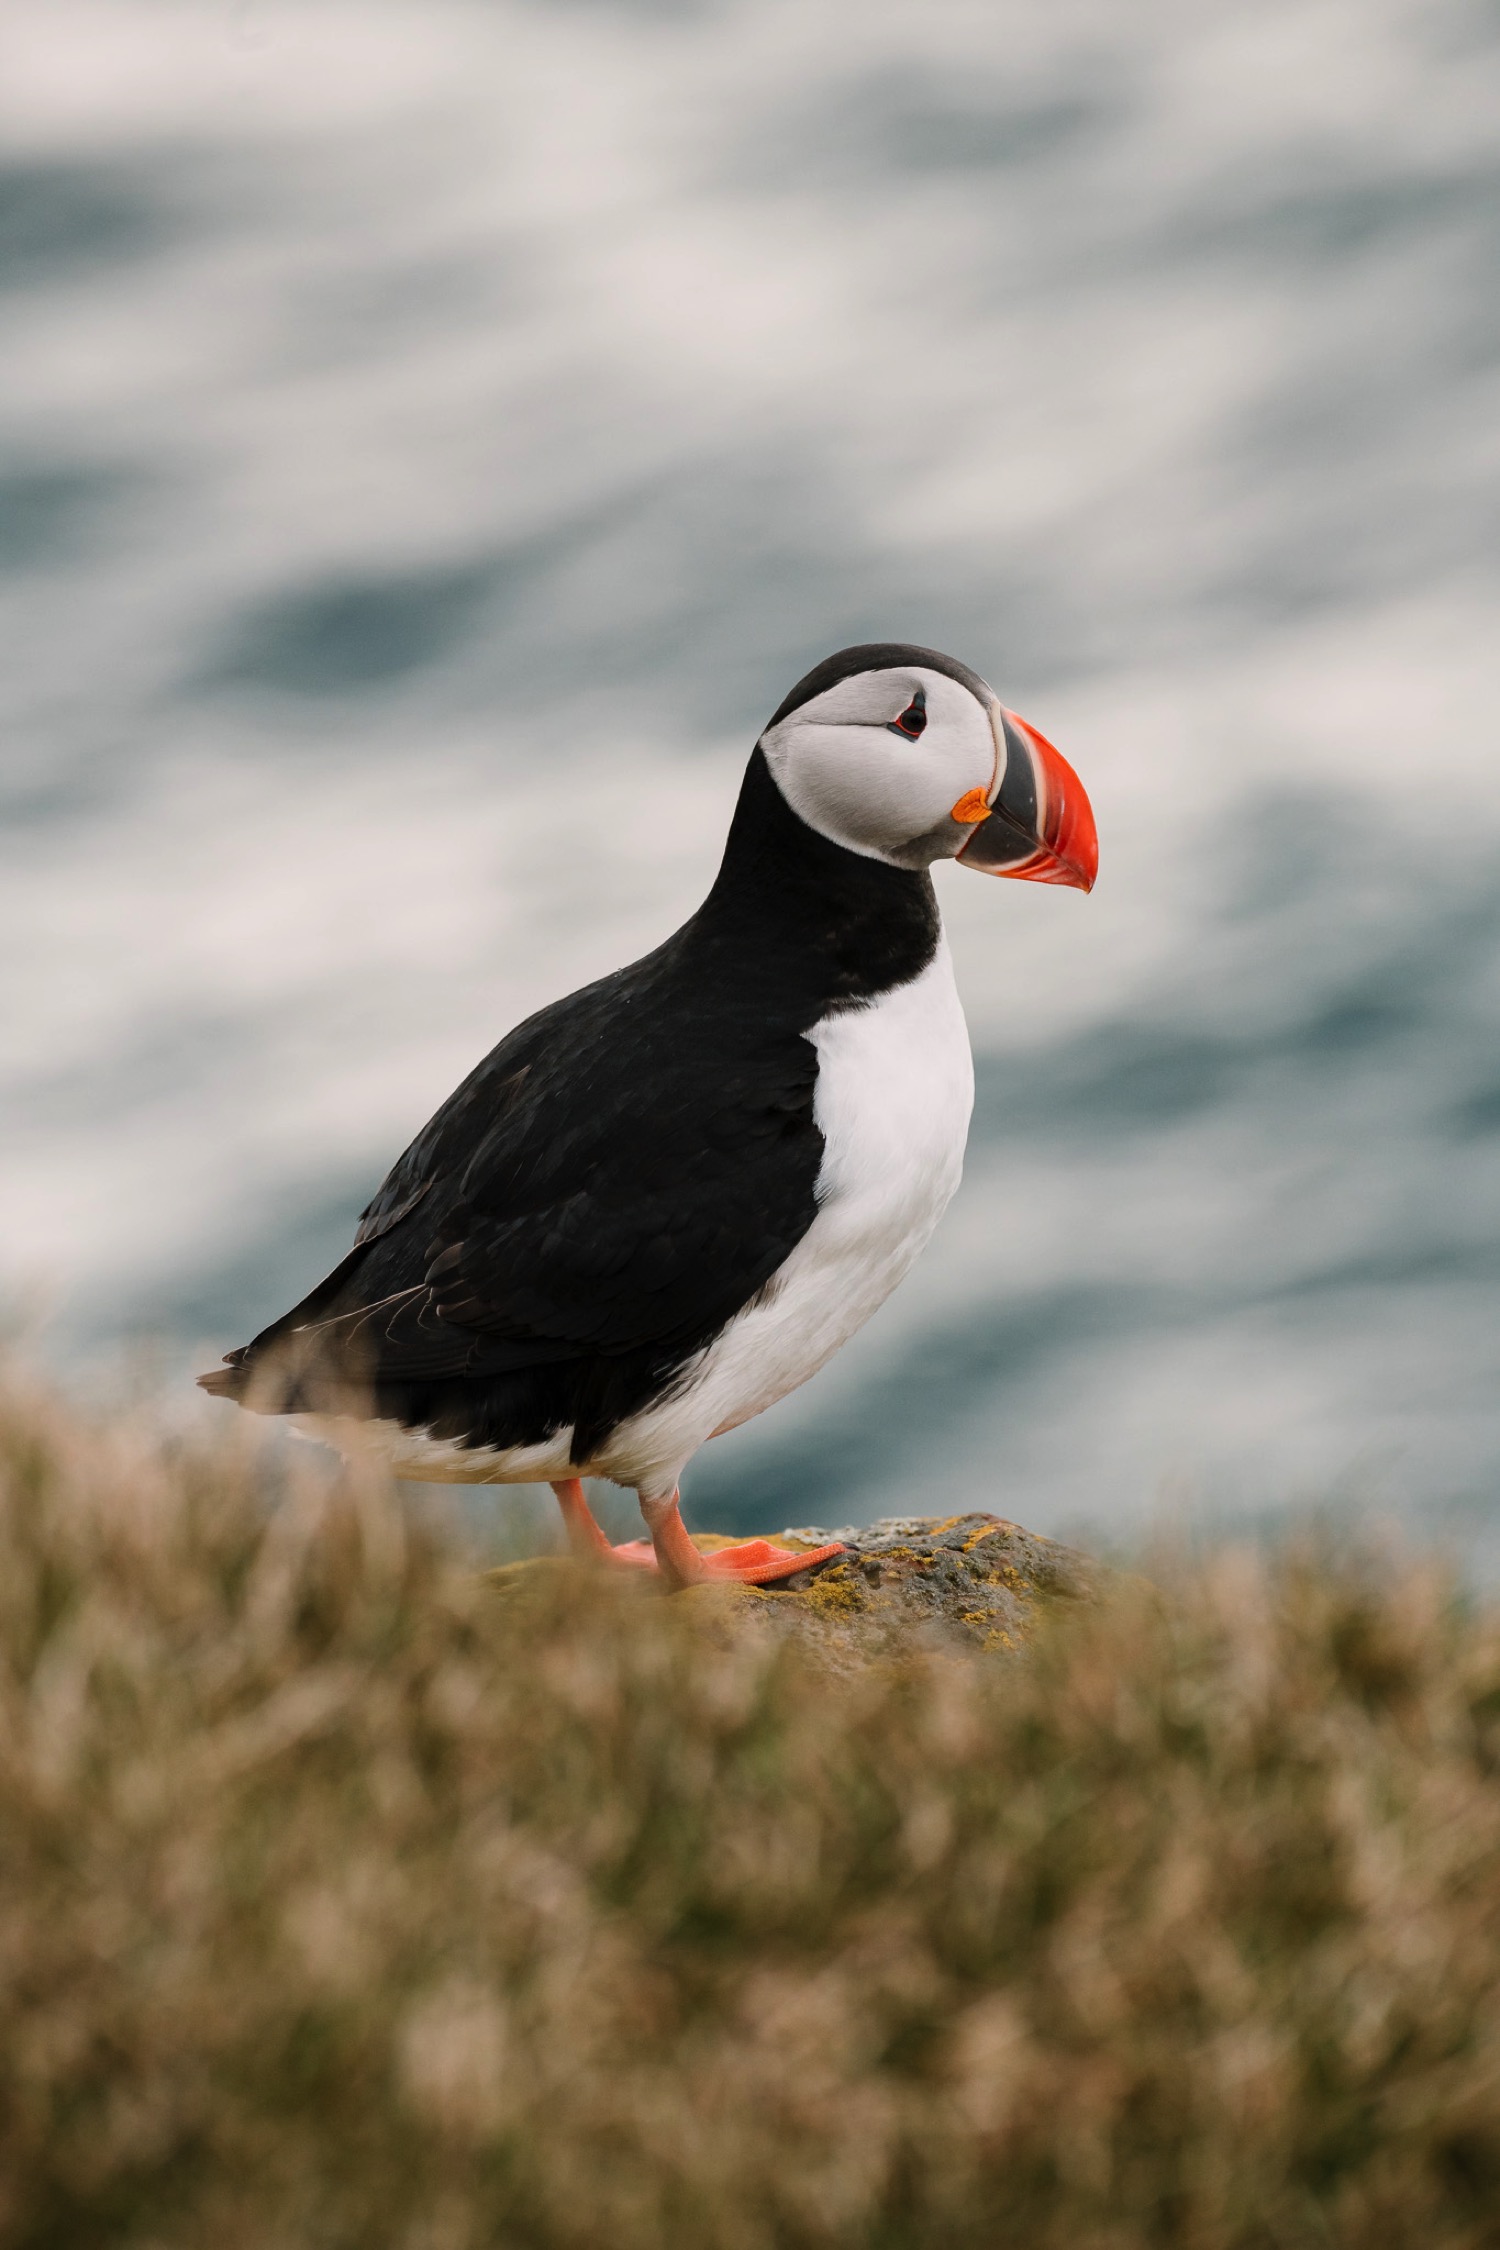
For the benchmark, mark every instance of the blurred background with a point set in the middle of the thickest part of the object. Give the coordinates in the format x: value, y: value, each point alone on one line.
x: 435, y: 436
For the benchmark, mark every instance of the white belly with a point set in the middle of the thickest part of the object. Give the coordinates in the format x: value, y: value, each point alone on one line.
x: 895, y: 1089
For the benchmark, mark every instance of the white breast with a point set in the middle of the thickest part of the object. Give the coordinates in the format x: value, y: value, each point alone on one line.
x: 894, y: 1092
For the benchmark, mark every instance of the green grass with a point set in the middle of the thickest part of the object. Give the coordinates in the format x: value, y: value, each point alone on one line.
x: 345, y: 1900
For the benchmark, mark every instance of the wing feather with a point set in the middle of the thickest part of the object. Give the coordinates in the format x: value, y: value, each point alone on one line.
x: 610, y: 1181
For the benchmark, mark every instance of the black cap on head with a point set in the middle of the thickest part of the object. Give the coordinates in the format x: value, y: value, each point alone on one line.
x: 875, y: 656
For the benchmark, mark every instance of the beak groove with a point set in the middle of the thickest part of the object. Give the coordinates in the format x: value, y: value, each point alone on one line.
x: 1040, y: 827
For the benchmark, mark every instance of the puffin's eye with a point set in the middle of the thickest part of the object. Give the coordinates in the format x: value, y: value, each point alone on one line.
x: 913, y: 718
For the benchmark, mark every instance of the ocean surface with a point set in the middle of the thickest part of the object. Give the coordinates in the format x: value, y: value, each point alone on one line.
x: 434, y: 437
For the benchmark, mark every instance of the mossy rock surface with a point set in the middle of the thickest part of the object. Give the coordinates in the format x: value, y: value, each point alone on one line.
x: 977, y: 1579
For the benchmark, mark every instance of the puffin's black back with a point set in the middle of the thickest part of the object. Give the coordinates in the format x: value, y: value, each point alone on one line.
x: 619, y: 1176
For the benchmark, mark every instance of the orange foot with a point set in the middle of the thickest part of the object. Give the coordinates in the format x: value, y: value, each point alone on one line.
x: 754, y: 1562
x: 669, y: 1550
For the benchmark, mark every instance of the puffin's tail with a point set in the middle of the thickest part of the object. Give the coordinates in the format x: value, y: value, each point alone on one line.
x: 271, y: 1372
x: 281, y: 1374
x: 228, y: 1381
x: 252, y: 1380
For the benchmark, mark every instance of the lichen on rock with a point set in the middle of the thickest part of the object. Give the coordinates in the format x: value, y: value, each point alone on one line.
x: 976, y: 1580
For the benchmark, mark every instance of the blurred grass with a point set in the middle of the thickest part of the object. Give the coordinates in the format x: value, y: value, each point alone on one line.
x: 346, y: 1900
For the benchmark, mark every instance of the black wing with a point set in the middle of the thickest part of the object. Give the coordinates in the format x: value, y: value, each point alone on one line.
x: 594, y: 1203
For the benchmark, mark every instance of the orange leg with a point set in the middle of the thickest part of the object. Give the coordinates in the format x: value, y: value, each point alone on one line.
x: 669, y: 1550
x: 584, y: 1535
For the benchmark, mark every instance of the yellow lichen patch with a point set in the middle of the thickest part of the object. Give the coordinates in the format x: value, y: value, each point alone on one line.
x: 1014, y: 1581
x: 833, y: 1593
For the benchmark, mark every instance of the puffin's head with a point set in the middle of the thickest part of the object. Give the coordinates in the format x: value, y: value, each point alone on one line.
x: 907, y: 756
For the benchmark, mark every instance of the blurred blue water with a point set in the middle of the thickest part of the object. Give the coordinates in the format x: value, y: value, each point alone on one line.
x: 433, y: 440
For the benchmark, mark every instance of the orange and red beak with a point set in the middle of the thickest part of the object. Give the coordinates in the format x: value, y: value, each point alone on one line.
x: 1036, y: 823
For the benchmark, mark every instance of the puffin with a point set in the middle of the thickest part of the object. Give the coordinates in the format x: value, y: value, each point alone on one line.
x: 662, y: 1203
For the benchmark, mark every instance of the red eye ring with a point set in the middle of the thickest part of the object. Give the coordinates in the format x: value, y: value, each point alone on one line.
x: 913, y: 719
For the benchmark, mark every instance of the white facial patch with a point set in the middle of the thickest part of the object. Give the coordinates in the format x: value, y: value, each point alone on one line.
x: 843, y: 768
